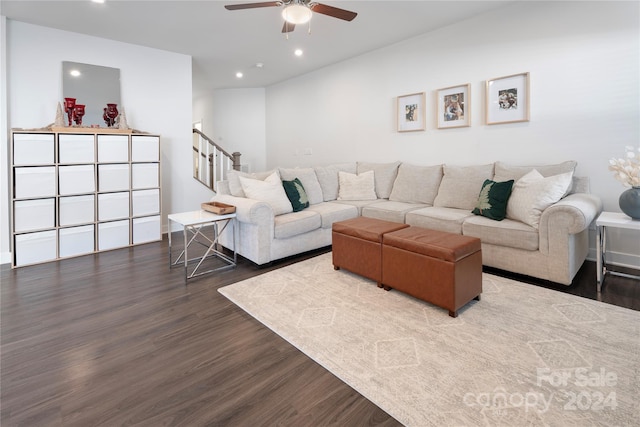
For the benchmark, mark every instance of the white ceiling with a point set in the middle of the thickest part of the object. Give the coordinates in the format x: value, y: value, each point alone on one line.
x: 223, y: 42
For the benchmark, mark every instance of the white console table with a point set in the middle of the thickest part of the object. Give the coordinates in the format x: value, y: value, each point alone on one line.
x: 193, y: 226
x: 604, y: 221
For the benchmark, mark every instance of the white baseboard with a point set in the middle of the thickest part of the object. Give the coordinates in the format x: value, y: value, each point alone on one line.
x: 619, y: 259
x: 5, y: 257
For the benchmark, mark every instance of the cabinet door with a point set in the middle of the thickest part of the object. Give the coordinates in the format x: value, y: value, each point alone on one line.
x: 33, y: 149
x: 145, y: 148
x: 113, y: 234
x: 145, y: 175
x: 113, y: 206
x: 113, y: 148
x: 76, y: 210
x: 113, y: 177
x: 37, y: 181
x: 76, y: 149
x: 146, y: 229
x: 145, y: 202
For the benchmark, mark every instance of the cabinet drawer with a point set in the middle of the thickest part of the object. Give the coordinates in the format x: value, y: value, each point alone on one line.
x: 113, y: 148
x: 145, y: 148
x: 32, y: 248
x: 33, y: 149
x: 76, y: 149
x: 76, y: 179
x: 113, y: 206
x: 113, y: 234
x: 146, y: 202
x: 113, y: 177
x: 146, y: 229
x: 39, y: 181
x: 145, y: 175
x: 76, y: 240
x: 34, y: 214
x: 77, y: 210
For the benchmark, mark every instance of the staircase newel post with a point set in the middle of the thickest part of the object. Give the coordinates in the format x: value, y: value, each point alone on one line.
x: 236, y: 160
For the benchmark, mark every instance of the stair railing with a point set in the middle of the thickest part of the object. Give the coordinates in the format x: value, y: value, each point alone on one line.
x: 210, y: 161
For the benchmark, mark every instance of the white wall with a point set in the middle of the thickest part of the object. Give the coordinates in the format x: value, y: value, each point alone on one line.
x: 235, y: 120
x: 155, y: 92
x: 584, y: 62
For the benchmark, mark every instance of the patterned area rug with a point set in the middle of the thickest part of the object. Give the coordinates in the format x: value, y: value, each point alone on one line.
x: 523, y: 355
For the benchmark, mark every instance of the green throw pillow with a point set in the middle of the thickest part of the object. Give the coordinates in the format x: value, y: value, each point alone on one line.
x: 296, y: 194
x: 493, y: 198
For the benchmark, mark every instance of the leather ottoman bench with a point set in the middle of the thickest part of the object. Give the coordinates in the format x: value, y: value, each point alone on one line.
x: 441, y: 268
x: 357, y: 245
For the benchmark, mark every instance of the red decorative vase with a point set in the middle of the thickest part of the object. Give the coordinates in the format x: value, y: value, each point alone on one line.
x: 69, y: 104
x: 110, y: 114
x: 78, y: 112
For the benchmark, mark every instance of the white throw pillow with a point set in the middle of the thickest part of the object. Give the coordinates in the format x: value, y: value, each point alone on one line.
x: 357, y: 187
x: 533, y: 193
x: 270, y: 190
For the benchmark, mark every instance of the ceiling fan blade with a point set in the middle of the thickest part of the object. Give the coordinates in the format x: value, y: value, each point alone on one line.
x: 288, y: 27
x: 333, y: 11
x: 252, y: 5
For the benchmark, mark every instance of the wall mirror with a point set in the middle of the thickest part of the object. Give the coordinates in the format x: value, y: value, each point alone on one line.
x: 92, y: 85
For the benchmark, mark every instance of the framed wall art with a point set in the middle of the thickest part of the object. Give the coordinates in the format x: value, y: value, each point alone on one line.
x: 453, y: 107
x: 411, y: 112
x: 508, y: 99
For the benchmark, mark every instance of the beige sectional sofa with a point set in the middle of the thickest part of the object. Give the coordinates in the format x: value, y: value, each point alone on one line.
x: 544, y: 234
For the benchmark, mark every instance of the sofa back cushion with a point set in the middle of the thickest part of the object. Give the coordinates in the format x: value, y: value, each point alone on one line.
x: 328, y: 178
x: 270, y: 190
x: 357, y: 187
x: 385, y: 175
x: 309, y: 180
x: 461, y: 185
x: 234, y: 182
x: 416, y: 184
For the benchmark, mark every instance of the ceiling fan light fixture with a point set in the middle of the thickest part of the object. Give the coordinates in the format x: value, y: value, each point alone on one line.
x: 296, y: 14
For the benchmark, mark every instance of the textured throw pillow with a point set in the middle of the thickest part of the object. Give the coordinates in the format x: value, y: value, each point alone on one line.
x: 493, y: 198
x: 296, y: 194
x: 416, y: 184
x: 328, y: 178
x: 357, y: 187
x: 270, y: 190
x: 309, y: 180
x: 235, y: 188
x: 460, y: 185
x: 505, y: 172
x: 533, y: 193
x: 385, y: 175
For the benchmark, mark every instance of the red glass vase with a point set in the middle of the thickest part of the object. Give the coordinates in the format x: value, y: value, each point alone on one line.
x: 69, y: 104
x: 110, y: 114
x: 78, y: 112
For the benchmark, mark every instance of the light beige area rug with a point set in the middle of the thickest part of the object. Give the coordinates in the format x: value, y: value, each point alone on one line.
x: 522, y: 356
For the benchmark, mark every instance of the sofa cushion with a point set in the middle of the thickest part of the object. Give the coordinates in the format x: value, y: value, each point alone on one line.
x: 510, y: 233
x: 356, y: 187
x: 443, y: 219
x: 493, y: 198
x: 234, y: 182
x: 295, y: 223
x: 389, y: 210
x: 309, y: 180
x: 460, y: 186
x: 270, y: 190
x: 358, y: 204
x: 328, y: 178
x: 533, y: 193
x: 296, y: 194
x: 385, y: 175
x: 331, y: 212
x: 416, y: 184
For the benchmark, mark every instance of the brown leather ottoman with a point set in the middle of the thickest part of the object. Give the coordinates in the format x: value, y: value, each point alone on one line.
x: 357, y: 245
x: 441, y: 268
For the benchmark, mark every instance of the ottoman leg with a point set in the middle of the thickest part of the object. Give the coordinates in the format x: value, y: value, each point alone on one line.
x: 335, y: 267
x: 387, y: 288
x: 477, y: 298
x: 453, y: 314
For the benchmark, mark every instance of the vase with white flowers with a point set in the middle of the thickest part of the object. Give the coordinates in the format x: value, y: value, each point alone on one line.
x: 627, y: 171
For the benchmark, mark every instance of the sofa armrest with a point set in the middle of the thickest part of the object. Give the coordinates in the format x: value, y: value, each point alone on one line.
x: 248, y: 210
x: 571, y: 215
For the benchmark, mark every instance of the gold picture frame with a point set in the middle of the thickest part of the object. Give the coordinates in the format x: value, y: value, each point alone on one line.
x: 508, y: 99
x: 411, y: 112
x: 454, y: 106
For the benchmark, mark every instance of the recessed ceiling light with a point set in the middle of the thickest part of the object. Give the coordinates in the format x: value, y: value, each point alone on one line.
x: 239, y: 75
x: 75, y: 73
x: 259, y: 65
x: 97, y: 1
x: 298, y: 52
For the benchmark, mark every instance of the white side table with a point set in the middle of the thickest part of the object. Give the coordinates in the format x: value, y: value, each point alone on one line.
x: 193, y: 227
x: 610, y: 220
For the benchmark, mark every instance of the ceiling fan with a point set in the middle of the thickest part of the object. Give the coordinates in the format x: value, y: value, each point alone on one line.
x: 298, y: 11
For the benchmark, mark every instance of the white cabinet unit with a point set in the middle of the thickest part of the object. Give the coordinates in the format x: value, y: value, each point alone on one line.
x: 79, y: 190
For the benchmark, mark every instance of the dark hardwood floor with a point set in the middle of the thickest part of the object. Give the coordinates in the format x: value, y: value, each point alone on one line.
x: 117, y: 338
